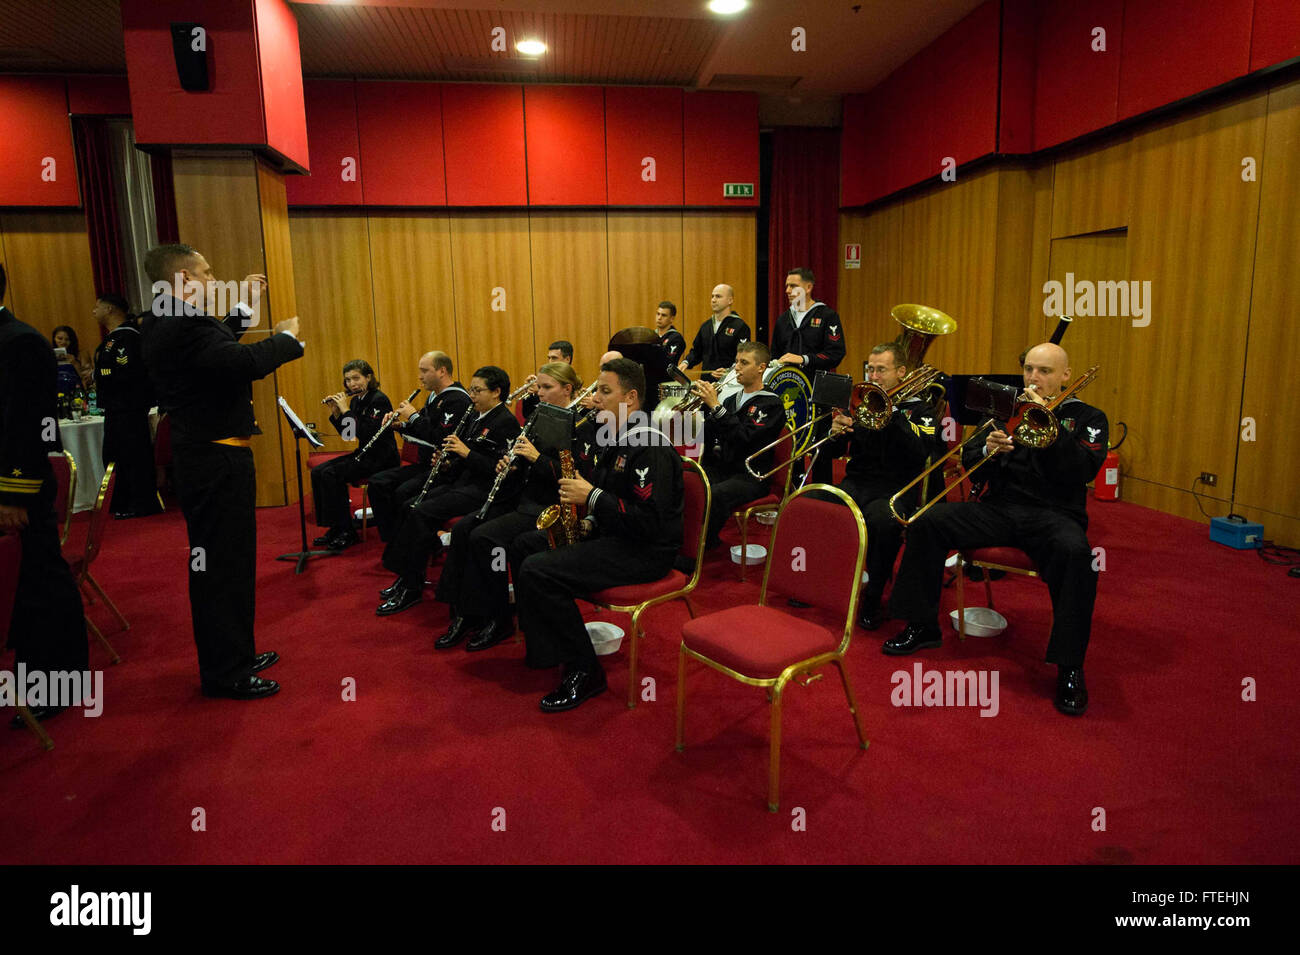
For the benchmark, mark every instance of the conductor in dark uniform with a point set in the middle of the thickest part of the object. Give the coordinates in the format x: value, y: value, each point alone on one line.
x: 1037, y: 501
x: 47, y: 631
x: 634, y: 512
x: 715, y: 343
x: 125, y: 394
x: 359, y: 421
x: 203, y: 378
x: 880, y: 463
x: 734, y: 429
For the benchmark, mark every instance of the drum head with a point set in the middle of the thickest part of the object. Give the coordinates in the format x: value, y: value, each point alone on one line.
x: 795, y: 391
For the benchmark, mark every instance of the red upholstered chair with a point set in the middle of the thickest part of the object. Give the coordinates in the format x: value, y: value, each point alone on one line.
x: 762, y: 646
x: 636, y: 599
x: 778, y: 488
x: 11, y: 556
x: 1013, y: 560
x: 65, y: 480
x: 80, y: 563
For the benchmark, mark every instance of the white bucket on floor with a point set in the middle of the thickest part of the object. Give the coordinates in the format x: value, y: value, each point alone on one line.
x: 765, y: 517
x: 756, y: 554
x: 367, y: 514
x: 980, y: 622
x: 445, y: 537
x: 606, y: 638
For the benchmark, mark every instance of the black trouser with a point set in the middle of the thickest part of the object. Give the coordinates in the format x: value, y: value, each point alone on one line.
x: 729, y: 491
x: 550, y: 580
x: 884, y: 534
x: 1056, y: 543
x: 474, y: 579
x: 329, y: 490
x: 127, y: 441
x: 416, y: 542
x: 217, y: 485
x: 390, y: 491
x: 48, y: 628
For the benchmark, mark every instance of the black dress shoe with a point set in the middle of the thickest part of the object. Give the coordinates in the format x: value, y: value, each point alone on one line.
x: 917, y: 636
x: 491, y: 635
x: 391, y: 588
x: 461, y: 627
x: 872, y: 616
x: 343, y: 540
x: 1071, y: 691
x: 249, y: 688
x: 323, y: 540
x: 39, y: 713
x: 576, y: 687
x: 264, y: 660
x: 402, y: 599
x: 799, y: 604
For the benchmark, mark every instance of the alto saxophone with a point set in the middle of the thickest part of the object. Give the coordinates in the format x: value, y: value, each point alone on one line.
x: 560, y: 521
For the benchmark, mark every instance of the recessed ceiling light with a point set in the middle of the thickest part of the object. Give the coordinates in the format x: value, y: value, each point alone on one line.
x: 531, y: 47
x: 727, y: 6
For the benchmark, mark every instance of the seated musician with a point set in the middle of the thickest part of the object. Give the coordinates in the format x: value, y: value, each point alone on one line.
x: 1036, y: 501
x: 634, y: 512
x: 474, y: 577
x: 743, y: 424
x: 460, y: 478
x: 559, y: 350
x: 358, y: 420
x: 392, y: 490
x: 881, y: 462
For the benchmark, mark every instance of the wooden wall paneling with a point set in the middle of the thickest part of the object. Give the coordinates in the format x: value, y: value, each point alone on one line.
x: 1091, y: 190
x: 1267, y: 466
x: 569, y: 258
x: 867, y: 294
x: 948, y: 256
x: 645, y: 268
x: 415, y: 309
x: 331, y: 267
x: 1178, y: 501
x: 1022, y: 262
x: 717, y: 248
x: 1192, y: 225
x: 490, y: 265
x: 47, y: 261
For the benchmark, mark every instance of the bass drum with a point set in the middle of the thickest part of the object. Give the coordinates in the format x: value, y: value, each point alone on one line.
x: 794, y: 389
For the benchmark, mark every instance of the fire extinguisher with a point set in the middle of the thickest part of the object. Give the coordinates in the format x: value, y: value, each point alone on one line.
x: 1106, y: 487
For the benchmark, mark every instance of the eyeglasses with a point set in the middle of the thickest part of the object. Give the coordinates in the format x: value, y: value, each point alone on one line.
x: 477, y: 391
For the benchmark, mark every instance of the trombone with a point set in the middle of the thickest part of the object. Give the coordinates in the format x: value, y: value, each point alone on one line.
x: 1031, y: 425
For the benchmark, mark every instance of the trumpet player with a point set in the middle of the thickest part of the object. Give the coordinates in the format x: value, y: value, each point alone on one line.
x: 1036, y: 501
x: 734, y: 429
x: 880, y: 462
x: 357, y: 413
x: 473, y: 579
x: 634, y: 519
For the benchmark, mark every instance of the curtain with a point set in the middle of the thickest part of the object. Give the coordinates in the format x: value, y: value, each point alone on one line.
x: 133, y: 177
x: 95, y: 174
x: 164, y: 198
x: 804, y: 211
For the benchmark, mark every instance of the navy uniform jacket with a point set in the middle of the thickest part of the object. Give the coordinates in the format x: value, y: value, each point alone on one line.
x: 638, y: 491
x: 488, y: 438
x: 819, y: 339
x: 121, y: 380
x: 436, y: 419
x: 674, y: 344
x: 885, y: 460
x: 28, y: 414
x: 717, y: 351
x: 731, y: 436
x: 367, y: 411
x: 1056, y: 476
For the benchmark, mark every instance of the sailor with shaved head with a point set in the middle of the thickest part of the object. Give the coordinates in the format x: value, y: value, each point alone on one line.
x: 1036, y: 500
x: 716, y: 341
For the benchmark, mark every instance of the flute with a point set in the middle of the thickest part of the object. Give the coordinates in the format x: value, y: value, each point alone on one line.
x: 375, y: 437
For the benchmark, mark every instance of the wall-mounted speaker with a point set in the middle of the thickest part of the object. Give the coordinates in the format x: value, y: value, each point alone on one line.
x: 191, y: 64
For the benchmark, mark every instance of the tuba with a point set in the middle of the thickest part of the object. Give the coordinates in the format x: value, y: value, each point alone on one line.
x: 560, y: 521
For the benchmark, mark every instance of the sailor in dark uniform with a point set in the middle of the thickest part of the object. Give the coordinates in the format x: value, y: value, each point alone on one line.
x: 715, y: 343
x: 1036, y: 501
x: 672, y: 340
x: 47, y: 630
x: 203, y: 378
x: 634, y: 515
x: 362, y: 417
x: 125, y: 395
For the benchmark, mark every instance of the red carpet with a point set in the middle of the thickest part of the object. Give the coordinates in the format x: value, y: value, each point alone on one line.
x: 436, y: 744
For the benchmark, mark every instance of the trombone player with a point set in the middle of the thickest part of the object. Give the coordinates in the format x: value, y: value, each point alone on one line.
x: 1036, y: 501
x: 881, y: 461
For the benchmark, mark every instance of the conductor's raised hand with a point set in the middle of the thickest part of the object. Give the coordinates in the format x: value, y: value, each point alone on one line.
x: 574, y: 490
x: 289, y: 325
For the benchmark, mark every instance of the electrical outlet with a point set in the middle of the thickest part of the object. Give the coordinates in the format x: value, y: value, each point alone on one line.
x: 1208, y: 479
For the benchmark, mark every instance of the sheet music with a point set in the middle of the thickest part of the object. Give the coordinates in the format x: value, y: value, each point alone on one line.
x: 294, y: 420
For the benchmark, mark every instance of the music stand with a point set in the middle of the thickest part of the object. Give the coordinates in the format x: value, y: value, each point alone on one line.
x: 300, y: 430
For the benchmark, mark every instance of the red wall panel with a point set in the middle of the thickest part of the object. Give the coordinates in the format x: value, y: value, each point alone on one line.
x: 960, y: 80
x: 1276, y: 33
x: 860, y: 159
x: 564, y: 128
x: 909, y: 109
x: 400, y: 129
x: 230, y: 112
x: 281, y: 68
x: 332, y: 138
x: 484, y: 135
x: 643, y: 122
x: 99, y: 96
x: 34, y: 116
x: 1174, y: 48
x: 1077, y: 88
x: 721, y: 144
x: 1019, y: 62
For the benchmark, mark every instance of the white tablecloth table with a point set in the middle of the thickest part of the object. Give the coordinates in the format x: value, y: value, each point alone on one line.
x: 84, y: 440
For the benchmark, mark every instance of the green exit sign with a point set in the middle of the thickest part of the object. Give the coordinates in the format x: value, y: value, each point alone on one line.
x: 737, y: 190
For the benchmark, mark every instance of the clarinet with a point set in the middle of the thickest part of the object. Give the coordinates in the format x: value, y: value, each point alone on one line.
x: 376, y: 436
x: 510, y: 460
x: 438, y: 461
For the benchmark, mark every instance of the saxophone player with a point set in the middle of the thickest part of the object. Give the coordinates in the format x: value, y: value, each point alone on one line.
x: 634, y: 514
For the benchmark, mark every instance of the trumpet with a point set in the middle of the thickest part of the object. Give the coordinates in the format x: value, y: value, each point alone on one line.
x: 520, y: 390
x: 1031, y: 425
x: 384, y: 430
